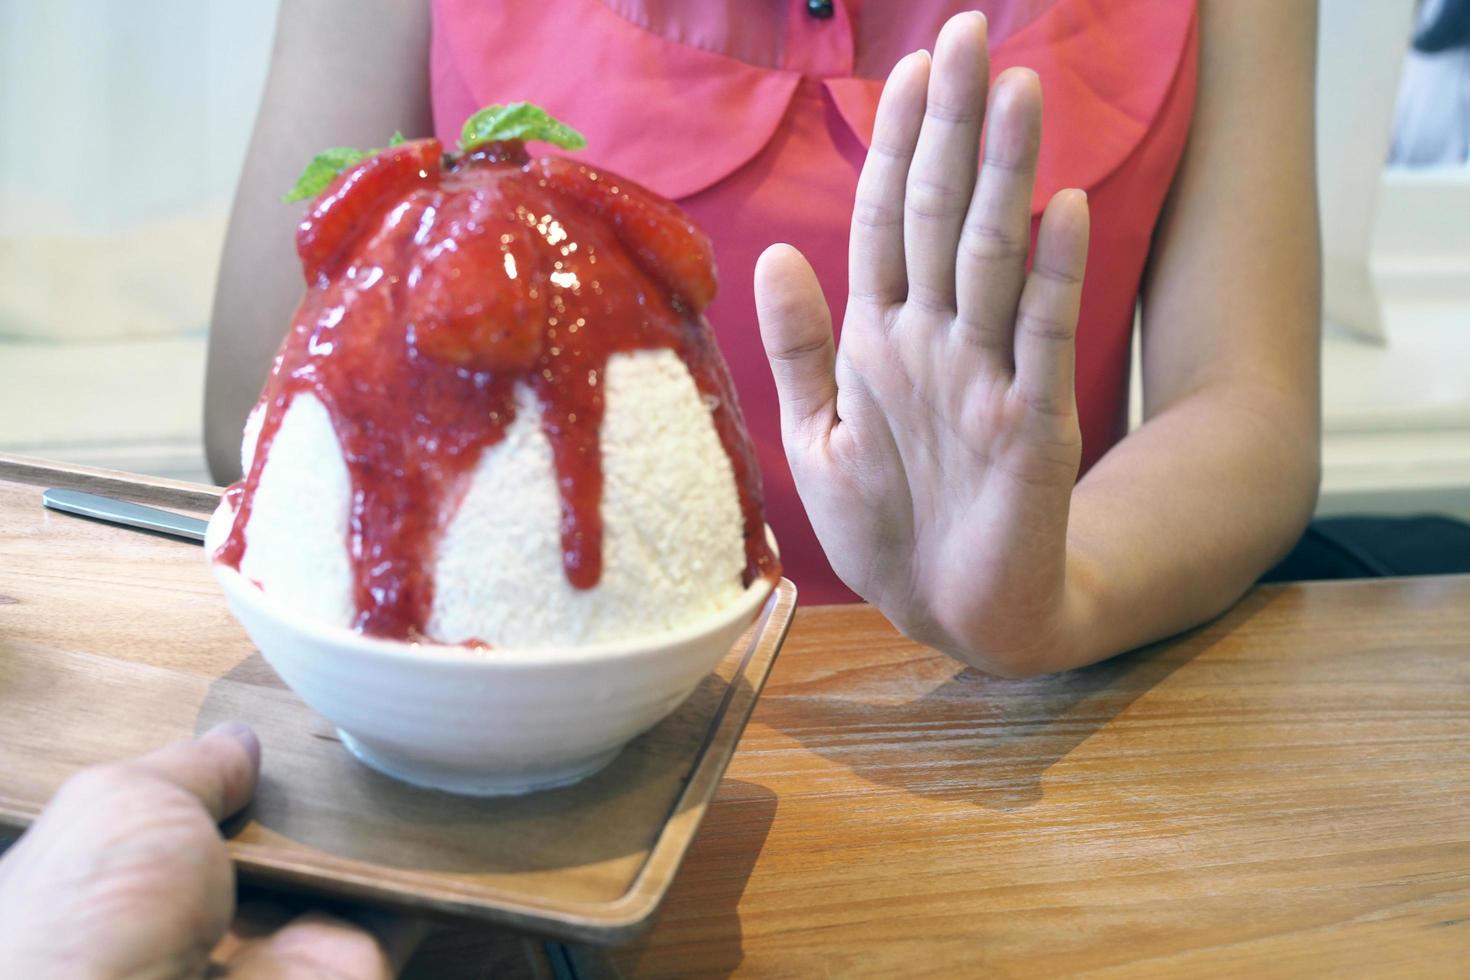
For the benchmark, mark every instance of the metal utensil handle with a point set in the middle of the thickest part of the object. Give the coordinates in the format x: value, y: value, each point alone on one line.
x: 124, y: 512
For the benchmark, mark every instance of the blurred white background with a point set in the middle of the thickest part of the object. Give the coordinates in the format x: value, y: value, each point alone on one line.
x: 125, y: 125
x: 1396, y: 243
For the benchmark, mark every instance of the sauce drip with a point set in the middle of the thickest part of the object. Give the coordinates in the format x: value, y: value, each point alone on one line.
x: 435, y: 285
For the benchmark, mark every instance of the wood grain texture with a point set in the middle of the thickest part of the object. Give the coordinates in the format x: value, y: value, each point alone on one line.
x: 1284, y: 792
x: 159, y: 492
x: 114, y: 641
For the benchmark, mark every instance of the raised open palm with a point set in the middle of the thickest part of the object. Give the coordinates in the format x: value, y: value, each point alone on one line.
x: 936, y: 450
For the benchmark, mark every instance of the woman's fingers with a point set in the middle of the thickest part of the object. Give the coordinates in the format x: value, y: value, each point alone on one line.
x: 991, y: 267
x: 942, y: 176
x: 1046, y: 320
x: 875, y: 250
x: 796, y: 328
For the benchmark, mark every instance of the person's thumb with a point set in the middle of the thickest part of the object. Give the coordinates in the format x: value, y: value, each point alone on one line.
x: 796, y: 328
x: 219, y: 768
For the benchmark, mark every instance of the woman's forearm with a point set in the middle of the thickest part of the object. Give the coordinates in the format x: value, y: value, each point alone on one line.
x: 1178, y: 520
x: 343, y: 73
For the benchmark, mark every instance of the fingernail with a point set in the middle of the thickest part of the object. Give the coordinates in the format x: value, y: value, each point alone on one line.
x: 241, y: 733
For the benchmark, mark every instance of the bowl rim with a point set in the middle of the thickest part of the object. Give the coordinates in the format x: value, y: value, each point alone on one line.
x: 241, y: 589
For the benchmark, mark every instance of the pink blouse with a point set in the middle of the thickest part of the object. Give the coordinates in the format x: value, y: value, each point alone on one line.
x: 755, y: 116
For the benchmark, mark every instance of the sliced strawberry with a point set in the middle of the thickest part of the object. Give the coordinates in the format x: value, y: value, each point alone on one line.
x: 358, y: 195
x: 666, y: 242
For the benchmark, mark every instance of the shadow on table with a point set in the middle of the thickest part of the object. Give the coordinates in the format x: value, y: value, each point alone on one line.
x: 930, y: 726
x: 698, y: 921
x: 701, y: 913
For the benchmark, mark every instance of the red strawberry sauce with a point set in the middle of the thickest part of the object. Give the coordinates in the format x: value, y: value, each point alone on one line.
x: 434, y: 285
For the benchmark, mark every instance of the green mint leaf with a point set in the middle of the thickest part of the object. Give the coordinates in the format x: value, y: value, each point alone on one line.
x: 518, y: 121
x: 322, y: 170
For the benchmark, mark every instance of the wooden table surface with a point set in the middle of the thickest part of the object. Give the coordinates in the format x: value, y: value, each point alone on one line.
x: 1283, y: 792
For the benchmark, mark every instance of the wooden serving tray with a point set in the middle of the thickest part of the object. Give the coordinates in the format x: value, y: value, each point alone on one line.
x: 114, y: 641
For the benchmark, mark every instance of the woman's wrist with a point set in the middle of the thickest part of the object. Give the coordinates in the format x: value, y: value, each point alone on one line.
x: 1061, y: 639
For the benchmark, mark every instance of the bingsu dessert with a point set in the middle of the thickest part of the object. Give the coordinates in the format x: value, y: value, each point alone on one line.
x: 499, y: 419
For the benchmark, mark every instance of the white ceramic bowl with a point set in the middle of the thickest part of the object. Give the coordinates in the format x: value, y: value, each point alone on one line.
x: 483, y: 722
